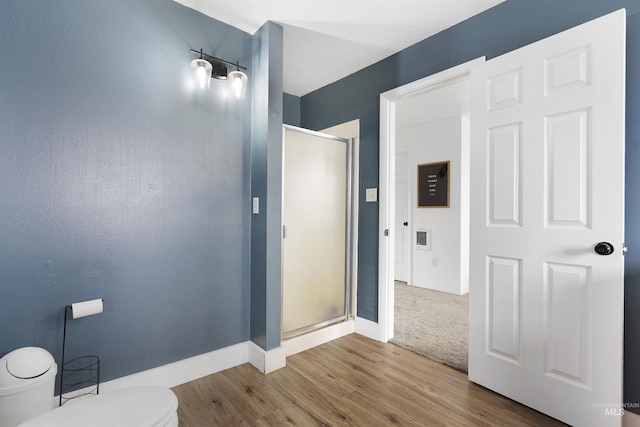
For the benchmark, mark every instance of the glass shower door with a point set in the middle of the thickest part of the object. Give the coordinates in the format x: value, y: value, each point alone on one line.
x: 316, y: 207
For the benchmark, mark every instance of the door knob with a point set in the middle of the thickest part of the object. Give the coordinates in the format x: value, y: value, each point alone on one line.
x: 604, y: 248
x: 406, y: 224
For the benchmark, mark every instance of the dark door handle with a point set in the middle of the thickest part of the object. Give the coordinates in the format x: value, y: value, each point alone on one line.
x: 604, y: 248
x: 406, y: 224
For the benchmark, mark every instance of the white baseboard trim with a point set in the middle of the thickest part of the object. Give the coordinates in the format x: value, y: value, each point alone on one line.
x: 177, y: 373
x: 630, y: 419
x: 370, y: 329
x: 315, y: 338
x: 267, y: 361
x: 185, y: 370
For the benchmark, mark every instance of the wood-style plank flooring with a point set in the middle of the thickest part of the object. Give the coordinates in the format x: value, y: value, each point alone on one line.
x: 351, y: 381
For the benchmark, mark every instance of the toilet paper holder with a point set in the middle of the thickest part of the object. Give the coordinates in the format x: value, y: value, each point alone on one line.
x: 84, y: 371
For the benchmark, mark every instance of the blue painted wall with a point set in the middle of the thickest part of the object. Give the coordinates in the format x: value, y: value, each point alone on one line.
x: 266, y: 184
x: 118, y: 182
x: 508, y: 26
x: 291, y: 109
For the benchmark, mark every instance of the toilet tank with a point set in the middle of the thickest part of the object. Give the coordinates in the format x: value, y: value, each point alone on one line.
x: 27, y: 381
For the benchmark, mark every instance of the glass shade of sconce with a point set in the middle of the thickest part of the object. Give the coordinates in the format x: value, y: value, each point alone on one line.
x: 201, y: 70
x: 237, y: 84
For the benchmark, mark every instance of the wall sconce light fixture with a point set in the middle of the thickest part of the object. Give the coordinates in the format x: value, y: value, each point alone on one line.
x: 238, y: 83
x: 207, y: 67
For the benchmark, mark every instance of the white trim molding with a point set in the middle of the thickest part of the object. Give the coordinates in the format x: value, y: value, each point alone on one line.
x: 177, y: 373
x: 312, y: 339
x: 267, y: 361
x: 369, y: 329
x: 185, y: 370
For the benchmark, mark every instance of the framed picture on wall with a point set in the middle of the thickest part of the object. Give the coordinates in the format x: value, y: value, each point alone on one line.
x: 433, y: 185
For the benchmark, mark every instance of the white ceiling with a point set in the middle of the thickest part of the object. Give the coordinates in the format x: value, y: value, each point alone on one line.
x: 326, y: 40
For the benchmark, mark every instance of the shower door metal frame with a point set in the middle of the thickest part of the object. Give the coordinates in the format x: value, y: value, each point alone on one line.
x: 351, y: 221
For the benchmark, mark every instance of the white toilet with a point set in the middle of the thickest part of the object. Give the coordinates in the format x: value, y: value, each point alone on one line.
x: 27, y: 377
x: 130, y: 407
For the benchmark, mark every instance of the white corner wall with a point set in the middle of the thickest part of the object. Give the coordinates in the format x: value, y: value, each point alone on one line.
x: 446, y: 267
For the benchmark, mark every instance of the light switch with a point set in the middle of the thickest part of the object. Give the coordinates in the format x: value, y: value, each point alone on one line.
x: 371, y: 195
x: 256, y: 206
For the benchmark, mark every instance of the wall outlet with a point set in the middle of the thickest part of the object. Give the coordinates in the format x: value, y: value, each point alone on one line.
x: 255, y: 208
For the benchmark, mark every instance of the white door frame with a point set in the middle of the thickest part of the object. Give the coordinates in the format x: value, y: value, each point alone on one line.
x: 386, y: 255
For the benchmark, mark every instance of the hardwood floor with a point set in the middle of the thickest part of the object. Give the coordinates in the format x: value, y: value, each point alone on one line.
x: 350, y: 381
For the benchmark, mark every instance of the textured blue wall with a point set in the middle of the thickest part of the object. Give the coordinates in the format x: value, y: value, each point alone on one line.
x: 118, y: 182
x: 266, y: 184
x: 291, y: 109
x: 508, y: 26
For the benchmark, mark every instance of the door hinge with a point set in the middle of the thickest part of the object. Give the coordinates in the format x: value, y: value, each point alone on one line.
x: 284, y: 231
x: 386, y: 232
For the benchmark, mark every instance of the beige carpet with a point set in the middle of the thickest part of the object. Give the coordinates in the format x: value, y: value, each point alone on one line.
x: 433, y: 324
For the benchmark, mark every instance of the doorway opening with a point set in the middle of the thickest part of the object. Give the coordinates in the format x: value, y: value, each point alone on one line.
x: 432, y: 223
x: 403, y: 119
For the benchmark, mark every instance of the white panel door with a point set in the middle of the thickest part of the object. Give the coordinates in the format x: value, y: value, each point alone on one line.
x: 547, y: 185
x: 403, y: 233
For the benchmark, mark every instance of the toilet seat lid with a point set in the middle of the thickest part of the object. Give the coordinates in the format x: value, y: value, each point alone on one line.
x: 135, y: 407
x: 28, y: 362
